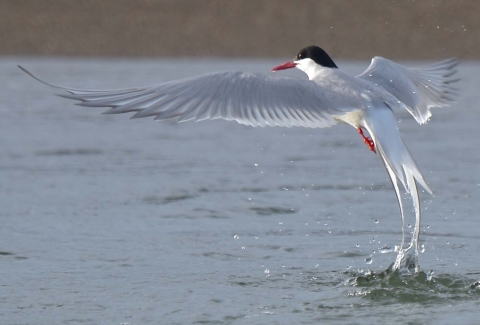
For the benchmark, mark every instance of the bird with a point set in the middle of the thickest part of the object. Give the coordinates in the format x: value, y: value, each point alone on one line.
x: 329, y: 96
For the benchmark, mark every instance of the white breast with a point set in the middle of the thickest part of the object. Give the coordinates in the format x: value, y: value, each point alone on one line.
x: 353, y: 118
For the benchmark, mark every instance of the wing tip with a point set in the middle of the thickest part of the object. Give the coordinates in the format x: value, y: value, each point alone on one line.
x: 24, y: 70
x: 34, y: 77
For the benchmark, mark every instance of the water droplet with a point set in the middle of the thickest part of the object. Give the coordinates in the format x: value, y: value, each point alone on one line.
x: 243, y: 247
x: 376, y: 221
x: 430, y: 275
x: 360, y: 270
x: 422, y: 248
x: 280, y: 223
x: 329, y: 231
x: 368, y: 260
x: 385, y: 250
x: 256, y: 165
x: 409, y: 226
x: 358, y: 245
x: 349, y: 267
x: 236, y: 237
x: 267, y: 272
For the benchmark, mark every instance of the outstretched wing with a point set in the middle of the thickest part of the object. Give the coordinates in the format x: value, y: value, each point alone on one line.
x: 419, y: 89
x: 248, y: 98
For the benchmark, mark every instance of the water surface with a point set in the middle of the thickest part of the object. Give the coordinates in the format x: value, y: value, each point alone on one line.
x: 107, y: 220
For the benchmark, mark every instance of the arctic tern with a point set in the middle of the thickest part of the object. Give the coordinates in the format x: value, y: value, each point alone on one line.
x: 328, y: 97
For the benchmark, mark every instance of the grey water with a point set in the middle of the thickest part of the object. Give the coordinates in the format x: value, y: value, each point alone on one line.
x: 106, y: 220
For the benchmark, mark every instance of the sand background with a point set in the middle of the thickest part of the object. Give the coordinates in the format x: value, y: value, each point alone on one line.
x: 347, y: 29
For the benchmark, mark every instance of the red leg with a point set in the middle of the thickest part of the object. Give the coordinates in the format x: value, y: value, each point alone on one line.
x: 368, y: 141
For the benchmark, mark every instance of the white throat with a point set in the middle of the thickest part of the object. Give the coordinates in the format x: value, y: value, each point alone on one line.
x: 309, y: 66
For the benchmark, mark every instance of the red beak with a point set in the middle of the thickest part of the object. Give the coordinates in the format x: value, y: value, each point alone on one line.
x: 286, y: 65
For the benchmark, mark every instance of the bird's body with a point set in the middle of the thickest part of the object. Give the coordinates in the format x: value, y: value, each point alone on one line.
x: 329, y: 96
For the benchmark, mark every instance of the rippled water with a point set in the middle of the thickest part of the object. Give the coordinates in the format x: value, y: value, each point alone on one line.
x: 107, y: 220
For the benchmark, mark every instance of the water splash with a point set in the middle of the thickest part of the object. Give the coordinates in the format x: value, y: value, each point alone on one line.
x: 394, y: 287
x: 430, y: 275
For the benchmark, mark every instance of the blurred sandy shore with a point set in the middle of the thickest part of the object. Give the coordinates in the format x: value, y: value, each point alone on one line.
x: 353, y: 29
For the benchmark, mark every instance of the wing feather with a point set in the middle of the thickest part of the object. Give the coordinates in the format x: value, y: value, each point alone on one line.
x: 248, y: 98
x: 418, y: 89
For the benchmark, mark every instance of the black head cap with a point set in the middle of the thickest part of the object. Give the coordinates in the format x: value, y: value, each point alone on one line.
x: 318, y: 55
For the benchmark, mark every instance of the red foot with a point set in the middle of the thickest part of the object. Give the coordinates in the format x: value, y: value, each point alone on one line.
x: 369, y: 142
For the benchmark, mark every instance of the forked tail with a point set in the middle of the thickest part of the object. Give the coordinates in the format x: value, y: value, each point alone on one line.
x: 382, y: 126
